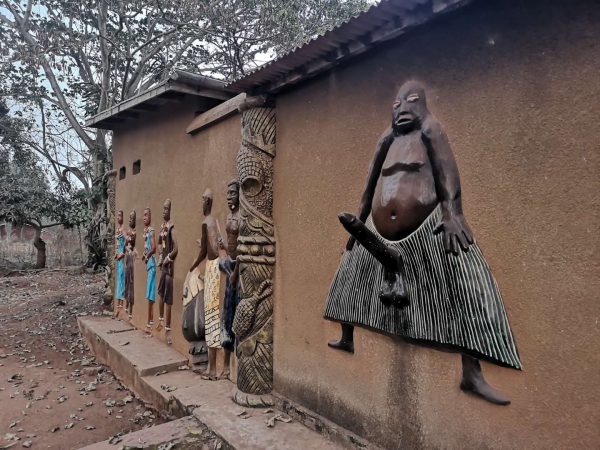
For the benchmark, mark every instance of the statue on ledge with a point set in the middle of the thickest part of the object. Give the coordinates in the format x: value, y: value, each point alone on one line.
x: 416, y: 271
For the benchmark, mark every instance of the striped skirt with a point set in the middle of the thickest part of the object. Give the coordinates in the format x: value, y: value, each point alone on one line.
x: 454, y: 300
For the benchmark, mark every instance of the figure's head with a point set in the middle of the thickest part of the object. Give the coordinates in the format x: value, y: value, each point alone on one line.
x: 167, y: 210
x: 233, y: 195
x: 120, y: 217
x: 147, y: 216
x: 410, y: 107
x: 132, y: 218
x: 207, y: 199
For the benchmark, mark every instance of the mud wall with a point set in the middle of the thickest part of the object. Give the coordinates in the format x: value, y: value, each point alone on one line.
x: 180, y: 167
x: 516, y: 86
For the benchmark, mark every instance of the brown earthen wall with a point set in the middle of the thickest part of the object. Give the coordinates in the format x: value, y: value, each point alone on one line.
x: 517, y: 87
x: 180, y: 167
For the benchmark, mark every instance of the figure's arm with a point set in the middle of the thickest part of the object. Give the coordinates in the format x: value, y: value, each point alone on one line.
x: 152, y: 245
x: 447, y: 184
x: 374, y: 171
x: 173, y: 254
x: 203, y: 247
x: 235, y: 273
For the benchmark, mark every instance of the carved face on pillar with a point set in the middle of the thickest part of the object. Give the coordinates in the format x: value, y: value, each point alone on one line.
x: 410, y: 108
x: 233, y: 195
x: 120, y: 217
x: 167, y: 210
x: 132, y: 219
x: 207, y: 199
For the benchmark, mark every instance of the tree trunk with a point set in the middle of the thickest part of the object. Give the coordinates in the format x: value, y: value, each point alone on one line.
x: 40, y: 246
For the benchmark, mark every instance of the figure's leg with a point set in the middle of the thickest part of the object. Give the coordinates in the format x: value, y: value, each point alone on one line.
x: 393, y: 290
x: 168, y: 317
x: 211, y: 371
x: 473, y: 382
x: 346, y: 342
x: 150, y: 316
x: 226, y: 364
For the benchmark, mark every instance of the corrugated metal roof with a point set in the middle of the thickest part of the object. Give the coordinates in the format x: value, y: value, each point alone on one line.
x: 381, y: 22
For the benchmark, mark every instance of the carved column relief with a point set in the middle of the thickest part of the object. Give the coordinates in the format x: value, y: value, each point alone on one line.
x: 253, y: 321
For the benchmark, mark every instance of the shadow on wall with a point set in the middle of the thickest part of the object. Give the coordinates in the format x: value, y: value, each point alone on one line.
x: 63, y: 247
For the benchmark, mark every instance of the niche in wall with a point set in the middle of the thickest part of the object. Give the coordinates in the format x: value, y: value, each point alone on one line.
x: 122, y: 173
x: 137, y: 166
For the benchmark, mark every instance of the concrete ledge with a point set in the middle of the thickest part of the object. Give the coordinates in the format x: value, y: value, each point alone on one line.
x: 138, y: 361
x: 130, y: 353
x: 185, y: 433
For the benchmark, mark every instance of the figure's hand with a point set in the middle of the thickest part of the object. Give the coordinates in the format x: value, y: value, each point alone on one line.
x: 456, y: 233
x: 233, y: 278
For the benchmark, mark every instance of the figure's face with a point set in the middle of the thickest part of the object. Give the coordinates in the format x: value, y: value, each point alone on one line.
x: 147, y: 217
x: 233, y: 197
x: 132, y: 219
x: 206, y: 203
x: 120, y: 217
x: 167, y: 211
x: 410, y: 108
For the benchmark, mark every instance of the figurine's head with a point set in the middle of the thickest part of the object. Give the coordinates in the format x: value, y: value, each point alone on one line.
x: 207, y: 199
x: 120, y: 217
x: 147, y: 216
x: 167, y: 210
x: 132, y: 219
x: 410, y: 107
x: 233, y: 195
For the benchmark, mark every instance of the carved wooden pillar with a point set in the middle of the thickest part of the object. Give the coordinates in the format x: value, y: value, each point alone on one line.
x: 253, y: 321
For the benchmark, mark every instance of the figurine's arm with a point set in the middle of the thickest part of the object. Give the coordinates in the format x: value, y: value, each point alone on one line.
x: 203, y: 248
x: 447, y: 184
x: 374, y: 171
x: 152, y: 245
x: 171, y: 256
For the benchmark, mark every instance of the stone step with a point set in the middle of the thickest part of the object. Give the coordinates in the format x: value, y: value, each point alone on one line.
x: 181, y: 393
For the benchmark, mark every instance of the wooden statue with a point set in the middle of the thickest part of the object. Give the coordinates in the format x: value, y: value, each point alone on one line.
x: 167, y: 252
x: 209, y: 250
x: 228, y: 266
x: 417, y: 272
x: 130, y: 255
x: 119, y: 263
x: 150, y: 260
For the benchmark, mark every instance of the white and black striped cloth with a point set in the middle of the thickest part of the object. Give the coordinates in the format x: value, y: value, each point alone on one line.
x: 454, y: 300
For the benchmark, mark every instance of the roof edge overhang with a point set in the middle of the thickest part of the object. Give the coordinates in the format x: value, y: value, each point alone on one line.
x: 174, y: 88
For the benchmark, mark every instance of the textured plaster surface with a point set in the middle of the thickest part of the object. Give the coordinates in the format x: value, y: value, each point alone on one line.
x: 178, y: 166
x: 516, y: 86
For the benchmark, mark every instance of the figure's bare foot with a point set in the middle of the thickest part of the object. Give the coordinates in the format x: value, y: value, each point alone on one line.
x: 347, y: 346
x: 159, y: 326
x: 209, y: 376
x: 485, y: 391
x: 224, y: 375
x: 474, y: 383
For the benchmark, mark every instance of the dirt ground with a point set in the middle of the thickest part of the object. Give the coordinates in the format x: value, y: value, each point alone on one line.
x: 52, y: 393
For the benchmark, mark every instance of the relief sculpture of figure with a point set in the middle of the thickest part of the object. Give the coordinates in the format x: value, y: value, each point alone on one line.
x: 130, y: 255
x: 167, y: 252
x: 120, y: 263
x: 209, y: 250
x: 416, y: 271
x: 253, y: 320
x: 228, y: 266
x: 150, y: 260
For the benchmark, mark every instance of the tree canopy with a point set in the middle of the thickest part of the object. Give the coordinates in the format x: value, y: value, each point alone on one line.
x: 65, y: 60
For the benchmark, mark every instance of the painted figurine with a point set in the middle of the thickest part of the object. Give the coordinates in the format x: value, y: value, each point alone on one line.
x: 167, y: 245
x: 120, y: 263
x: 150, y: 260
x: 418, y: 272
x: 130, y: 255
x: 209, y: 250
x: 228, y: 266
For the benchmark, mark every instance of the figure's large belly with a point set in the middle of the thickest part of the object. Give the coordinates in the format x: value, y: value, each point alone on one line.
x: 402, y: 201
